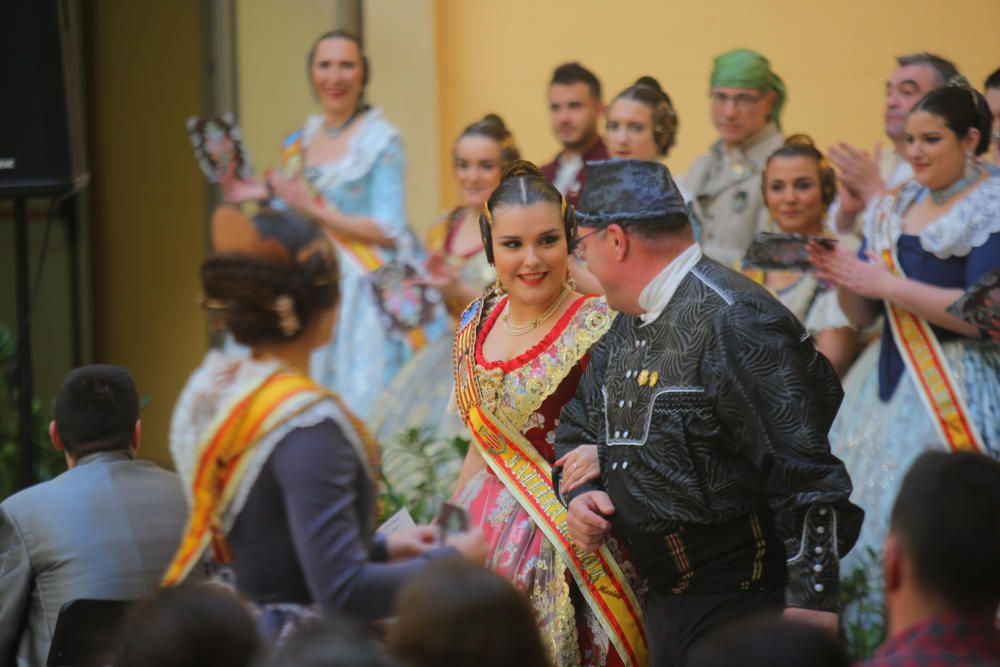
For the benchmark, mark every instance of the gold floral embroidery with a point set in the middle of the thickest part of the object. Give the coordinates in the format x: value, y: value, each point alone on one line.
x: 514, y: 397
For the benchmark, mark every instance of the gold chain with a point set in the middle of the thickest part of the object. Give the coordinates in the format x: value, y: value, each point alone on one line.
x: 521, y: 329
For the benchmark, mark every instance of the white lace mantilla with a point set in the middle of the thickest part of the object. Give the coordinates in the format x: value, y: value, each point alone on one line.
x: 209, y: 395
x: 364, y: 147
x: 968, y: 224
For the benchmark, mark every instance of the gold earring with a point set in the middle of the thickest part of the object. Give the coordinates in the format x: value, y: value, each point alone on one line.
x: 497, y: 287
x: 570, y: 283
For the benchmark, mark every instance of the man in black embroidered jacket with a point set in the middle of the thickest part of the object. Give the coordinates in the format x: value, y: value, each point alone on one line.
x: 709, y: 406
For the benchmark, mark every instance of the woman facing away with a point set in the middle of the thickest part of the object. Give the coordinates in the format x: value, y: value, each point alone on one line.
x: 279, y: 473
x: 519, y: 354
x: 934, y: 380
x: 345, y: 168
x: 798, y: 186
x: 420, y: 395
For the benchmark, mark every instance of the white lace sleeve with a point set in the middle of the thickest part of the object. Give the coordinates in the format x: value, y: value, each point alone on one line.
x: 825, y: 313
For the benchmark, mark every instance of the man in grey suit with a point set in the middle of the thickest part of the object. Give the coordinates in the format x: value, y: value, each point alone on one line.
x: 107, y: 528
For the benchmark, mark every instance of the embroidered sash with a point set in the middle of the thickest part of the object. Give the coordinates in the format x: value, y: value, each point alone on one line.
x: 528, y: 477
x: 224, y: 455
x: 921, y: 351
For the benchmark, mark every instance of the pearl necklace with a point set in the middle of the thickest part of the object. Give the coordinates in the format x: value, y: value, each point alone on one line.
x: 521, y: 329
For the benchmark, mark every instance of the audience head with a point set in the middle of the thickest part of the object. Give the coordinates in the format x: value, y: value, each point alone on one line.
x: 574, y: 105
x: 768, y: 641
x: 633, y: 220
x: 480, y: 154
x: 944, y: 537
x: 330, y: 643
x: 526, y: 227
x: 190, y: 626
x: 992, y: 94
x: 339, y: 72
x: 945, y: 130
x: 746, y: 95
x: 915, y: 75
x: 460, y: 614
x: 272, y: 279
x: 799, y: 185
x: 641, y: 122
x: 97, y: 409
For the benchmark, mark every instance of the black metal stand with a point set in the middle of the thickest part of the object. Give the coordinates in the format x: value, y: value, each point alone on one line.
x: 25, y: 372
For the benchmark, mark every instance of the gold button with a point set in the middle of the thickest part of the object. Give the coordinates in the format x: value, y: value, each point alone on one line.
x: 643, y: 378
x: 653, y: 378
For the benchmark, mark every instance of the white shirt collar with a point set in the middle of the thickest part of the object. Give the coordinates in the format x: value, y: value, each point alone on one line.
x: 655, y: 296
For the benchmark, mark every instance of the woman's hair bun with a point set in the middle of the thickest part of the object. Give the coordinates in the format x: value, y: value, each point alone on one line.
x: 649, y: 82
x: 800, y: 140
x: 520, y: 168
x: 496, y: 121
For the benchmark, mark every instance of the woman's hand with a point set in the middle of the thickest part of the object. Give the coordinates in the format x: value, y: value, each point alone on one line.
x: 293, y: 192
x: 840, y: 266
x: 236, y: 190
x: 579, y: 466
x: 410, y: 543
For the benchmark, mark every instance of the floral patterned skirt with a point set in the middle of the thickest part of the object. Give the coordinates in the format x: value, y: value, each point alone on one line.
x: 519, y: 551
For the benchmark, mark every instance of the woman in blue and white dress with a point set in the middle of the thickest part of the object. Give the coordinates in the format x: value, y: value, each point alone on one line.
x: 942, y: 230
x: 345, y: 168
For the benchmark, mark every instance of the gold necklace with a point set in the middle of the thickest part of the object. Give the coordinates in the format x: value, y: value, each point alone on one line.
x: 521, y: 329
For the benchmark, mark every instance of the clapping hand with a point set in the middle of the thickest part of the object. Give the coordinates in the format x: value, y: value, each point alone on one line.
x: 858, y: 170
x: 293, y: 191
x: 840, y: 266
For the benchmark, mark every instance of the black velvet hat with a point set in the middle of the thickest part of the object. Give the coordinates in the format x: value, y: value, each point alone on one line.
x: 629, y: 192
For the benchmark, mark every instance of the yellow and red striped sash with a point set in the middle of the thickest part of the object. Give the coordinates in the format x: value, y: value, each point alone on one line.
x: 927, y: 365
x: 528, y: 477
x: 223, y: 457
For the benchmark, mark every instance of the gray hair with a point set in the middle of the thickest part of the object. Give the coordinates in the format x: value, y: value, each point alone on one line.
x: 943, y: 69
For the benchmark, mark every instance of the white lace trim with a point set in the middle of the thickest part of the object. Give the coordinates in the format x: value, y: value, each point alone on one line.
x: 967, y: 225
x: 211, y: 388
x: 365, y: 146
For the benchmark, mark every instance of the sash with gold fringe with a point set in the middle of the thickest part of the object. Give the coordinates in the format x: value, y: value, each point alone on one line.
x: 925, y: 361
x: 528, y: 477
x: 224, y: 455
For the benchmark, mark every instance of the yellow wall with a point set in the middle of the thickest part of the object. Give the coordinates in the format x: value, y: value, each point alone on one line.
x: 401, y: 42
x: 145, y: 76
x: 272, y: 41
x: 498, y: 55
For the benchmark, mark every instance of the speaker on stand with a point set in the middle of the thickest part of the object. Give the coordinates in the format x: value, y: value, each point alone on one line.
x: 41, y: 154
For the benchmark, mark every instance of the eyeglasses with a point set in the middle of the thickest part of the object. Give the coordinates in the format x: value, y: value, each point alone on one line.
x: 577, y: 249
x: 742, y: 101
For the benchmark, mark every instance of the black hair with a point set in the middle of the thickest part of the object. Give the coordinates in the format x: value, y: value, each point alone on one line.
x: 96, y: 409
x: 337, y: 642
x: 246, y: 292
x: 944, y: 70
x: 190, y: 626
x: 802, y: 145
x: 648, y: 91
x: 366, y: 74
x: 522, y: 184
x: 947, y: 519
x: 962, y: 109
x: 768, y: 641
x: 992, y: 81
x: 492, y: 127
x: 570, y: 73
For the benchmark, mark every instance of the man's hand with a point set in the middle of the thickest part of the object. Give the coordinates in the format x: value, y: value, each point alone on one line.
x: 470, y: 544
x: 858, y: 170
x: 586, y: 518
x: 410, y: 543
x: 821, y: 619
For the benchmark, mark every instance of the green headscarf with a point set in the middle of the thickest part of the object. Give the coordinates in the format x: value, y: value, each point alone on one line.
x: 743, y: 68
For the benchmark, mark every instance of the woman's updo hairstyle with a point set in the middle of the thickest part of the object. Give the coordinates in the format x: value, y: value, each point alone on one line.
x: 271, y: 276
x: 647, y: 90
x: 366, y: 73
x: 522, y: 184
x: 492, y: 127
x: 802, y: 145
x: 962, y: 108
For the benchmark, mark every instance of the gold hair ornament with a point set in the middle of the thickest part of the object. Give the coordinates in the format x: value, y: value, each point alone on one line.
x: 288, y: 321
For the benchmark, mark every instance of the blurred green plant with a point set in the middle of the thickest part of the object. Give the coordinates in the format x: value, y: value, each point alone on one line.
x: 863, y: 619
x: 419, y: 472
x: 49, y: 462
